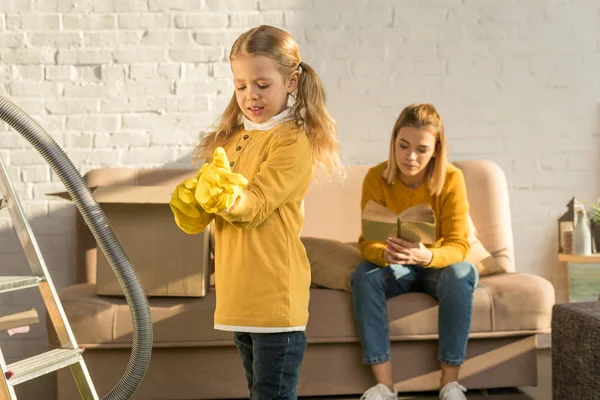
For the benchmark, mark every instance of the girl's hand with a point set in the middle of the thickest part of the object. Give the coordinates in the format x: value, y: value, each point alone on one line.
x: 218, y: 188
x: 400, y: 251
x: 221, y: 213
x: 183, y: 198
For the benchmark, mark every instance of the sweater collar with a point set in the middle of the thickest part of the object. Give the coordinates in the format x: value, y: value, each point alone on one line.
x: 275, y: 120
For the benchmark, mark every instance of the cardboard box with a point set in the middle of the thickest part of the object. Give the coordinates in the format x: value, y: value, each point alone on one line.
x: 167, y: 261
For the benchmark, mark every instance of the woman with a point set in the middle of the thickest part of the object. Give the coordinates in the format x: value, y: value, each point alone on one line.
x: 417, y: 172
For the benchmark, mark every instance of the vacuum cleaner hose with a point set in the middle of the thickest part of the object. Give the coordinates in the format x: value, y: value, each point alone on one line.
x: 100, y: 227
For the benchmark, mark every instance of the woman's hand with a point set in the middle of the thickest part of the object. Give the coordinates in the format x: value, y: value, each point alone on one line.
x: 400, y: 251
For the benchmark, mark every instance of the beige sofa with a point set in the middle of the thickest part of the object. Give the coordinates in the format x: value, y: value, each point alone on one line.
x: 193, y: 361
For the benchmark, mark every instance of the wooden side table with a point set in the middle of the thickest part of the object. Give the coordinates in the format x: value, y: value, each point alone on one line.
x: 572, y: 258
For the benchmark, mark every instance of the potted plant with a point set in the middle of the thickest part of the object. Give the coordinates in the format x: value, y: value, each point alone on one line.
x: 594, y: 218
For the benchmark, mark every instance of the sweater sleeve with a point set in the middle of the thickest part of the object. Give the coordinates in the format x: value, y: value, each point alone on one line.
x: 372, y: 251
x: 454, y: 245
x: 283, y: 176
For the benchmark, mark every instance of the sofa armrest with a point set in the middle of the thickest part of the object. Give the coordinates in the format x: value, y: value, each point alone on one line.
x: 575, y: 351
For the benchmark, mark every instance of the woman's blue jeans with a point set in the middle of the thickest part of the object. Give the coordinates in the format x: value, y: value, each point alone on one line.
x: 452, y: 286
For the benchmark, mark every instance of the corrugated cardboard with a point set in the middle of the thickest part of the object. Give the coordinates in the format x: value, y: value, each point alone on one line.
x: 168, y: 261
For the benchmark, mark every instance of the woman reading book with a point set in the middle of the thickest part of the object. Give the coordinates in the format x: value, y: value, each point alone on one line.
x: 416, y: 173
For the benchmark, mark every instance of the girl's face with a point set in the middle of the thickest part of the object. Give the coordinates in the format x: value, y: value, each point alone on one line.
x: 414, y: 149
x: 260, y: 89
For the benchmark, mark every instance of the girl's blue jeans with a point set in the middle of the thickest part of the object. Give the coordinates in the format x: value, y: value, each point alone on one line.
x: 452, y: 286
x: 272, y: 363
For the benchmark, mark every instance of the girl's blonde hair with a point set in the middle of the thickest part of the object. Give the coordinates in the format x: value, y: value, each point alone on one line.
x: 309, y: 99
x: 422, y: 117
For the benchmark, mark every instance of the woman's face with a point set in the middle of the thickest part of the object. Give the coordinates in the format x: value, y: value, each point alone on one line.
x: 414, y: 149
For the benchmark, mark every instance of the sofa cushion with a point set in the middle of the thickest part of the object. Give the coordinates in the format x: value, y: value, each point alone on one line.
x: 504, y: 305
x: 106, y: 321
x: 331, y: 262
x: 485, y: 263
x: 489, y: 205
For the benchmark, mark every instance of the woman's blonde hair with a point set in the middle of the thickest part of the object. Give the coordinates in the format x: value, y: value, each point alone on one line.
x: 308, y: 109
x: 421, y: 116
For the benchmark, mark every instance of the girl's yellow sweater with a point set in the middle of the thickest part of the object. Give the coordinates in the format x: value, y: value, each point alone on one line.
x: 262, y: 273
x: 451, y: 210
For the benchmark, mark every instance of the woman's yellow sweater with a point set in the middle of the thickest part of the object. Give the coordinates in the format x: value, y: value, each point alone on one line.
x: 262, y: 273
x: 451, y: 210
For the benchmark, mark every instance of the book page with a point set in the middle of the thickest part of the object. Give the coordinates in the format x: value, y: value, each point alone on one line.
x: 422, y: 212
x: 417, y: 224
x: 378, y: 222
x: 376, y: 212
x: 423, y: 232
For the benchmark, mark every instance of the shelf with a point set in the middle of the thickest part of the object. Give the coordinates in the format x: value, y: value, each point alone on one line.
x: 572, y: 258
x: 20, y: 319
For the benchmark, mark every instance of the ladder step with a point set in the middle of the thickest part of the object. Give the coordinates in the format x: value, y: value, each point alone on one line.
x: 10, y: 283
x: 42, y: 364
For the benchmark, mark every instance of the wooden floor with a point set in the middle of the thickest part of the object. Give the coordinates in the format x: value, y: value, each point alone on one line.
x: 541, y: 392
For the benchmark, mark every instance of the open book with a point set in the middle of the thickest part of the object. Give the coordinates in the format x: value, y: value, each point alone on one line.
x: 415, y: 224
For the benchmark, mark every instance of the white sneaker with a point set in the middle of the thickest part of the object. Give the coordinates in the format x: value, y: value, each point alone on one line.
x: 453, y: 391
x: 379, y: 392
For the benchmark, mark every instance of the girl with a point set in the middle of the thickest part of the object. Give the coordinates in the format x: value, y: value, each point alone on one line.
x: 262, y: 274
x: 416, y: 172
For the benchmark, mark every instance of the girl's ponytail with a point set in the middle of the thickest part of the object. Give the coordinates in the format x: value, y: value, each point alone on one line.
x: 310, y: 112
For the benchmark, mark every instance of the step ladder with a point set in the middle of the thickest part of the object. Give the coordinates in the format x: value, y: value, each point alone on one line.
x: 70, y: 354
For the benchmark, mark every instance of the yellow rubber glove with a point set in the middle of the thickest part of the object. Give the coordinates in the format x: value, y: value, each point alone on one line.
x: 218, y: 188
x: 184, y: 205
x: 183, y: 196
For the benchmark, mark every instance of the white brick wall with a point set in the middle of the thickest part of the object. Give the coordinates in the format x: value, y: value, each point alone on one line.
x: 131, y: 83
